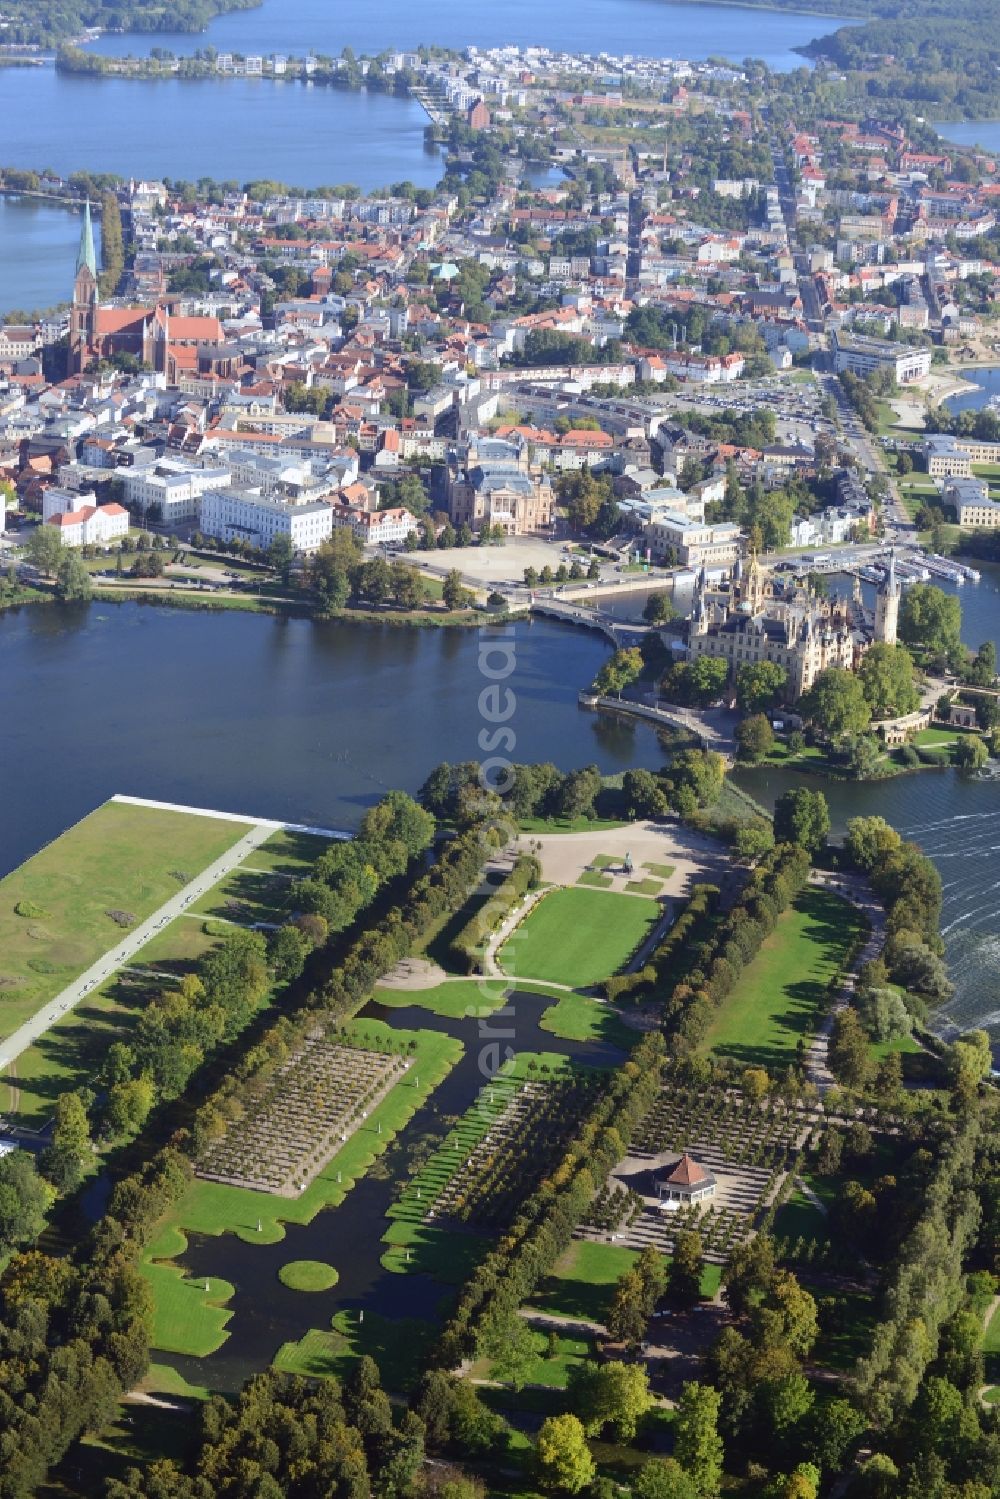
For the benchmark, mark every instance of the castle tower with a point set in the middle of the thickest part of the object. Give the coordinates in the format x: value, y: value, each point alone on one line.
x: 753, y: 590
x: 887, y: 605
x: 85, y: 296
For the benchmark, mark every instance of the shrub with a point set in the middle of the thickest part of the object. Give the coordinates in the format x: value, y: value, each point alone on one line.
x: 31, y: 910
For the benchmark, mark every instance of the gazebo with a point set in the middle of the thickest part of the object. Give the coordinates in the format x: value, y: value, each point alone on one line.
x: 684, y: 1183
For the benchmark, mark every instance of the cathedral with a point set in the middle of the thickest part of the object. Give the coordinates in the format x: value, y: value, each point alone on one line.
x: 755, y: 616
x: 153, y: 335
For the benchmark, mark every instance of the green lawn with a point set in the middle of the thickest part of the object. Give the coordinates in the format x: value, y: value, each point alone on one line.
x: 308, y: 1275
x: 644, y: 887
x: 662, y: 871
x: 458, y: 997
x: 187, y: 1318
x: 777, y: 1000
x: 577, y: 1018
x: 120, y: 858
x: 570, y: 824
x: 399, y: 1347
x: 799, y: 1218
x: 595, y: 879
x: 576, y: 936
x: 582, y: 1282
x: 991, y: 1347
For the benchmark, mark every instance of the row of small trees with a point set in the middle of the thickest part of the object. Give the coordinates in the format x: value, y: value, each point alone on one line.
x: 467, y: 946
x: 488, y: 1304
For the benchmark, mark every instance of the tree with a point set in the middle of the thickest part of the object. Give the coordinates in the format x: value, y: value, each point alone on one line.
x: 931, y: 621
x: 759, y: 684
x: 128, y: 1106
x: 71, y: 1128
x: 983, y: 668
x: 73, y: 581
x: 886, y: 677
x: 697, y: 1444
x: 686, y: 1268
x: 453, y: 594
x: 24, y: 1199
x: 281, y: 554
x: 836, y: 704
x: 44, y: 548
x: 624, y: 668
x: 802, y: 817
x: 511, y: 1349
x: 869, y: 842
x: 562, y: 1456
x: 612, y: 1394
x: 970, y: 753
x: 664, y: 1478
x: 833, y: 1426
x: 288, y: 949
x: 627, y: 1315
x: 643, y: 795
x: 754, y: 839
x: 658, y: 609
x: 849, y: 1052
x: 754, y: 737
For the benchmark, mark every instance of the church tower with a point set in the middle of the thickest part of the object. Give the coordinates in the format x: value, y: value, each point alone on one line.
x: 887, y: 605
x: 82, y: 318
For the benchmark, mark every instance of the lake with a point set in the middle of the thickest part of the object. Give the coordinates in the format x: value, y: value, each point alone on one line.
x: 985, y: 133
x: 277, y: 717
x: 38, y: 244
x: 647, y: 28
x: 987, y: 383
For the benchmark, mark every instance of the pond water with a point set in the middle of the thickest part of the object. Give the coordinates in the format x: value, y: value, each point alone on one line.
x: 266, y: 1313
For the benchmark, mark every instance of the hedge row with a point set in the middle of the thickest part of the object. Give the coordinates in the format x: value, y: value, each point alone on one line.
x: 546, y: 1222
x: 467, y: 947
x: 690, y: 928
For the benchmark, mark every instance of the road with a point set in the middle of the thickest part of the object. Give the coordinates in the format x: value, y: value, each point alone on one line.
x: 118, y: 956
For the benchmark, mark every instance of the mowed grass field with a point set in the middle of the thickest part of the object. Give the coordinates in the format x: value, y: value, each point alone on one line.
x: 578, y: 936
x: 120, y: 858
x: 778, y: 999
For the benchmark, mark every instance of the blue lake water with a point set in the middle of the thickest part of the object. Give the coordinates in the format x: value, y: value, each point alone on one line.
x: 648, y: 28
x: 38, y: 243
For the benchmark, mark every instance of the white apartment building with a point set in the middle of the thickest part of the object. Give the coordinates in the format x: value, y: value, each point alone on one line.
x: 235, y: 515
x: 173, y: 486
x: 695, y: 543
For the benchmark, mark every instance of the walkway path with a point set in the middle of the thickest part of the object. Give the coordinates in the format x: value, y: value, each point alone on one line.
x: 118, y: 956
x: 859, y: 893
x: 262, y: 822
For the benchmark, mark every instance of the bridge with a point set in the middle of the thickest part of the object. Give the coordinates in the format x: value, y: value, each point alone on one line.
x: 622, y: 633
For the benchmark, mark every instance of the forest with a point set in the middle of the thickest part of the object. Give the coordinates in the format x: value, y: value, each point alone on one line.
x: 47, y: 22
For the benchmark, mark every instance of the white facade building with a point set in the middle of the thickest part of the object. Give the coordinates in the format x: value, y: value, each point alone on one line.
x: 235, y: 515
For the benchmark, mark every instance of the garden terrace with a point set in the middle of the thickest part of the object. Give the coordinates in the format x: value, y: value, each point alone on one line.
x: 748, y: 1147
x: 501, y: 1149
x: 316, y: 1099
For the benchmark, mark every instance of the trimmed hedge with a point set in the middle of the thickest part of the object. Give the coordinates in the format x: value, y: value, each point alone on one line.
x: 691, y: 927
x: 467, y: 947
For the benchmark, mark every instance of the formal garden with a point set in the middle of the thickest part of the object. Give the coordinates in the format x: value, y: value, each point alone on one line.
x: 501, y: 1148
x: 280, y: 1140
x: 576, y: 936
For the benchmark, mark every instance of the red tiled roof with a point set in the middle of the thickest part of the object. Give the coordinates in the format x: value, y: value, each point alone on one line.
x: 687, y: 1172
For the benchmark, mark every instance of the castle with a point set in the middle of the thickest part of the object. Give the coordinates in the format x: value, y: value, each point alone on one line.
x: 154, y: 336
x: 755, y: 616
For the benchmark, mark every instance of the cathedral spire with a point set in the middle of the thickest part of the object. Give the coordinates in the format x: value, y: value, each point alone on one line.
x: 86, y: 258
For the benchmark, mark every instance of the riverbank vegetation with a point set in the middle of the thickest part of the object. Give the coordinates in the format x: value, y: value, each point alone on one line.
x: 45, y: 23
